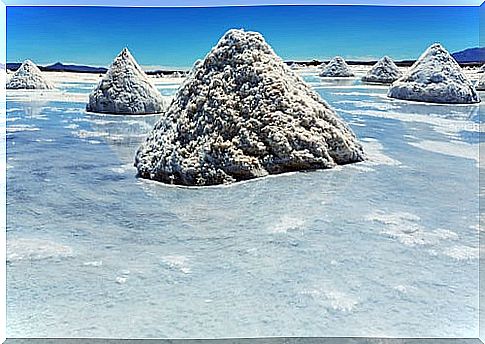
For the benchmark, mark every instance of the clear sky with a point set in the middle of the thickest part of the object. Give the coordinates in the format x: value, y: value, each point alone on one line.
x: 176, y: 37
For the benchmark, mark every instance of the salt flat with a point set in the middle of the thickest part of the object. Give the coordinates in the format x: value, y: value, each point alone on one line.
x: 387, y: 247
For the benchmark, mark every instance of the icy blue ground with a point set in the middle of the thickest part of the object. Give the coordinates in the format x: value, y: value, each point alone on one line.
x: 388, y: 247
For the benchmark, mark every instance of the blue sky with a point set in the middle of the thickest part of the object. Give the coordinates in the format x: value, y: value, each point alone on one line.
x: 176, y: 37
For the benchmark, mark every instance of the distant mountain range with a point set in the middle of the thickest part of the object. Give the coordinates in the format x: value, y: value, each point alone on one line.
x: 470, y: 55
x: 467, y: 56
x: 60, y: 67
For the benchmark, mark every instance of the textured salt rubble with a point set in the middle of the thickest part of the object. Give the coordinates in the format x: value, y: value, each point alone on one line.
x: 337, y: 67
x: 35, y: 249
x: 29, y: 76
x: 408, y: 229
x: 125, y: 89
x: 241, y: 114
x: 462, y: 252
x: 384, y: 71
x: 331, y: 299
x: 481, y: 69
x: 435, y: 77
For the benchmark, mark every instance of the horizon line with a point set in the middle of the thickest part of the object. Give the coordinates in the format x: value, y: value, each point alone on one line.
x: 153, y: 68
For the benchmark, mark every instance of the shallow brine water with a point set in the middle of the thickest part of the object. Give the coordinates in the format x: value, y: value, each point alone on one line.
x: 388, y: 247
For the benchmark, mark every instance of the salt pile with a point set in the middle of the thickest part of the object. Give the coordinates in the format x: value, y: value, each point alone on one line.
x: 481, y: 69
x: 28, y: 76
x: 125, y: 89
x: 242, y: 113
x: 337, y: 67
x: 384, y: 71
x: 435, y: 77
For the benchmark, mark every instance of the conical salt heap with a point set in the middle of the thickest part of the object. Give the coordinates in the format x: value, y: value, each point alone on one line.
x: 337, y: 67
x: 384, y: 71
x: 29, y: 76
x: 435, y: 77
x: 481, y: 69
x: 125, y: 89
x: 242, y: 113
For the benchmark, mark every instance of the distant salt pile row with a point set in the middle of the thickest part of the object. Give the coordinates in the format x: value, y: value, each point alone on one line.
x: 337, y: 67
x: 125, y: 89
x: 435, y: 77
x: 384, y: 71
x: 176, y: 74
x: 29, y: 76
x: 243, y: 113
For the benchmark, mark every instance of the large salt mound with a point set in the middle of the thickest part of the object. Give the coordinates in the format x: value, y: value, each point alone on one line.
x: 435, y: 77
x: 125, y: 89
x: 384, y: 71
x: 28, y: 76
x: 243, y: 113
x: 337, y: 67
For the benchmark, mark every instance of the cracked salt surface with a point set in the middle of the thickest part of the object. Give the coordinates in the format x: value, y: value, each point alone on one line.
x: 322, y: 253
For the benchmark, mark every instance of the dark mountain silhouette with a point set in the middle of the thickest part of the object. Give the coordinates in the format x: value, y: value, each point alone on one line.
x: 470, y: 55
x: 60, y: 67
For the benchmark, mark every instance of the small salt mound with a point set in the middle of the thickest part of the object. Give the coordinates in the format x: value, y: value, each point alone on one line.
x: 384, y: 71
x: 242, y: 113
x: 125, y: 89
x: 435, y: 77
x: 481, y: 69
x: 337, y: 67
x: 29, y: 76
